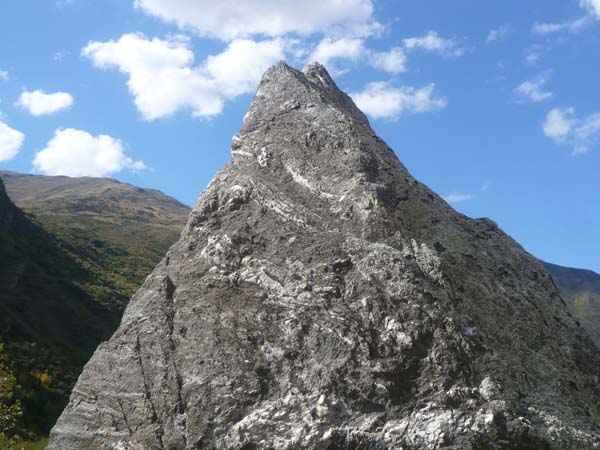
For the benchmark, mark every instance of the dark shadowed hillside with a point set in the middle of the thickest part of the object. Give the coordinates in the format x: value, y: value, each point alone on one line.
x: 72, y: 252
x: 50, y: 324
x: 581, y: 289
x: 115, y: 230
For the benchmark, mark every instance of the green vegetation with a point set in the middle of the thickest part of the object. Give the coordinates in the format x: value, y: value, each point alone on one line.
x: 10, y: 406
x: 20, y: 444
x: 67, y: 269
x: 11, y: 412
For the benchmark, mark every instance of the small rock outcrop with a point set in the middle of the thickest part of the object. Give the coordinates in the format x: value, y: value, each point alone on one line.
x: 322, y: 298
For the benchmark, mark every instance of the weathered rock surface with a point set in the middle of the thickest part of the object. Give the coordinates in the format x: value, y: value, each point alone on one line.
x: 322, y: 298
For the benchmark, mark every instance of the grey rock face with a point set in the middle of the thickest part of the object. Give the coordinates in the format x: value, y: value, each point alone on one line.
x: 322, y: 298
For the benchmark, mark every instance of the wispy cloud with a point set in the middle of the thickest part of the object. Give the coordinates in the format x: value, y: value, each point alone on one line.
x: 329, y: 51
x: 457, y: 198
x: 533, y: 89
x: 432, y: 42
x: 533, y: 54
x: 563, y: 127
x: 572, y: 26
x: 498, y: 34
x: 383, y: 100
x: 60, y: 56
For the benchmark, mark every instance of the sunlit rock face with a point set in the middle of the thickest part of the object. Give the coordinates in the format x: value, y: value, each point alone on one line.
x: 322, y: 298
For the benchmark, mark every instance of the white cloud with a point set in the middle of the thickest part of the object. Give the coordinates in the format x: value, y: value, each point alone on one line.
x: 239, y: 68
x: 64, y: 3
x: 572, y: 26
x: 11, y: 141
x: 457, y: 198
x: 591, y: 5
x: 559, y: 124
x: 3, y: 75
x: 587, y: 133
x: 534, y: 53
x: 432, y: 42
x: 234, y: 19
x: 392, y: 61
x: 77, y: 153
x: 498, y: 34
x: 563, y: 127
x: 533, y: 90
x: 382, y: 100
x: 163, y: 80
x: 547, y: 28
x: 38, y: 103
x: 60, y: 56
x: 329, y: 50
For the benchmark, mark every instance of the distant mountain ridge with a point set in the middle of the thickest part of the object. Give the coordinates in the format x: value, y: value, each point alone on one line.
x: 581, y: 290
x: 61, y: 195
x: 72, y: 252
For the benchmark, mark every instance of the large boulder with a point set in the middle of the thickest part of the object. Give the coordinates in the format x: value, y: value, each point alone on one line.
x: 322, y: 298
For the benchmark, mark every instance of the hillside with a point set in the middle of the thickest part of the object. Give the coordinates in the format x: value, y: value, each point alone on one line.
x: 49, y: 323
x: 72, y: 252
x: 115, y: 230
x: 581, y: 289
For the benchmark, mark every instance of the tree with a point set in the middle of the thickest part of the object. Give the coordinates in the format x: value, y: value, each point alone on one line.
x: 10, y: 407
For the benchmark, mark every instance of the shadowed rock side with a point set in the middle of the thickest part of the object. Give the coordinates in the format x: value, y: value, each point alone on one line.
x: 322, y: 298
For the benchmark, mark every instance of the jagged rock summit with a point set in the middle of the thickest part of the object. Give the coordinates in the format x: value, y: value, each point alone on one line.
x: 322, y: 298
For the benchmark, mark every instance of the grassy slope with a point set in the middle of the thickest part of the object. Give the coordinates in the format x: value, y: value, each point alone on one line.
x: 581, y: 289
x: 115, y: 230
x: 67, y: 270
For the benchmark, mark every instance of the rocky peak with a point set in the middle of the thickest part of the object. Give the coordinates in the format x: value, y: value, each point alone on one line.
x: 321, y: 298
x: 302, y: 129
x: 293, y: 115
x: 283, y: 89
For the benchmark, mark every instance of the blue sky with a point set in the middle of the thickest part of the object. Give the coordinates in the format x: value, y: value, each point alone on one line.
x: 495, y: 105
